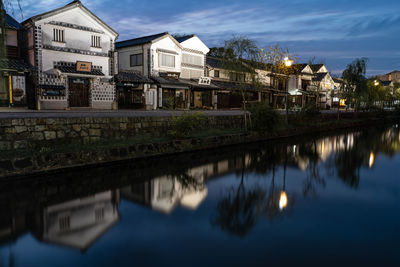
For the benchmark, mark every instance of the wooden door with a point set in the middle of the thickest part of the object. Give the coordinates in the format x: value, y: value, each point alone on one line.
x: 78, y: 93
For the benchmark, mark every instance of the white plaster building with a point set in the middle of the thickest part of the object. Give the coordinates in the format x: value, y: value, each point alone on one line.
x: 73, y: 52
x: 174, y: 65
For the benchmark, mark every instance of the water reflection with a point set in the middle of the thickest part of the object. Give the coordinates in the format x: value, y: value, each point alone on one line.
x: 80, y: 222
x: 77, y: 208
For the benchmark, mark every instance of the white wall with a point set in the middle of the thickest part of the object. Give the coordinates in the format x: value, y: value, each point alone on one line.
x: 166, y: 44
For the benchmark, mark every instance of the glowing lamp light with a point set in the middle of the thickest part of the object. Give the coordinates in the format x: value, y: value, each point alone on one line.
x: 376, y: 83
x: 371, y: 159
x: 283, y: 201
x: 288, y: 62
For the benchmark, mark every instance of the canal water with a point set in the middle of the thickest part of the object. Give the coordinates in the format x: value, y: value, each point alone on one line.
x: 329, y: 200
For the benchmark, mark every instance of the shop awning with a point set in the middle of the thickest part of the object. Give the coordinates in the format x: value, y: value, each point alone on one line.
x: 194, y: 84
x: 131, y: 77
x: 73, y: 70
x: 171, y: 83
x: 14, y: 65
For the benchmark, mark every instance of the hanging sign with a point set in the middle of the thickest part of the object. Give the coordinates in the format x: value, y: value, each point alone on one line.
x: 205, y: 81
x: 83, y: 66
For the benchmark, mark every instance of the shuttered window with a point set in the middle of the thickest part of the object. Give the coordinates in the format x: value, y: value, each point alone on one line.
x: 58, y: 36
x: 167, y: 60
x: 192, y: 59
x: 96, y: 41
x: 136, y: 60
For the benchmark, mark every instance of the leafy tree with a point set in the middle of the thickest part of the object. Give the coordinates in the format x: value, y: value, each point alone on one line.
x: 355, y: 82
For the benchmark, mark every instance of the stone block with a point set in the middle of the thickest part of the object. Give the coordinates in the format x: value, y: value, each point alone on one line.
x: 16, y: 122
x: 50, y: 135
x: 20, y: 144
x: 60, y: 134
x: 21, y: 129
x: 76, y: 127
x: 10, y: 130
x: 94, y: 132
x: 40, y: 128
x: 123, y: 126
x: 37, y: 136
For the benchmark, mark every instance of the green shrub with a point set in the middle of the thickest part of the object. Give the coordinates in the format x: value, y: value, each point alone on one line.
x: 264, y: 118
x: 184, y: 125
x: 310, y: 110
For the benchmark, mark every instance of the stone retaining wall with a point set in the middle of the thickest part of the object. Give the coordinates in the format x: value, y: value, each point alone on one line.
x: 55, y: 161
x: 36, y: 133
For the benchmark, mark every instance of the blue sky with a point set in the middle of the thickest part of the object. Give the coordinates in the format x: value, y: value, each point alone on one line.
x: 333, y: 31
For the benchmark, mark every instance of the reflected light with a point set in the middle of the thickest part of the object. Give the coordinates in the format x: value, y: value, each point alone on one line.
x: 283, y: 201
x: 371, y: 159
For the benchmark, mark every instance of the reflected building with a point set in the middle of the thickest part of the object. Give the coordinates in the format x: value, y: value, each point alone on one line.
x: 79, y: 223
x: 74, y: 223
x: 165, y: 193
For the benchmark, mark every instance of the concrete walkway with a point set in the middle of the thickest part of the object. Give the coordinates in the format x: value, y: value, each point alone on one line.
x: 21, y: 113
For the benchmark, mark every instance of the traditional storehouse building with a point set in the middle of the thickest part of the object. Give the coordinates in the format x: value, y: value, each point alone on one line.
x: 230, y: 84
x: 73, y: 52
x: 175, y: 65
x: 15, y: 79
x: 157, y: 57
x: 194, y: 53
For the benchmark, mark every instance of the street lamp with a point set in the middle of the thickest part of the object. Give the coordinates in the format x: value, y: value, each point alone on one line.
x: 376, y: 83
x: 288, y: 63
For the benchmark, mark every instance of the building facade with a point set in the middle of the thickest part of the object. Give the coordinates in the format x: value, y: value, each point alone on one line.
x: 73, y: 53
x: 15, y: 74
x: 176, y: 67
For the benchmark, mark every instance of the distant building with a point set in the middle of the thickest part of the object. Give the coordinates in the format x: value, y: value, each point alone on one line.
x: 393, y: 76
x: 15, y: 79
x: 73, y: 53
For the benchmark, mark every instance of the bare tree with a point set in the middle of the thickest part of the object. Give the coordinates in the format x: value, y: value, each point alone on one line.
x: 280, y: 63
x: 237, y: 50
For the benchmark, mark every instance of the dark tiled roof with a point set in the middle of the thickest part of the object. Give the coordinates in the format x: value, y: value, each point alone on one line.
x: 72, y: 69
x: 123, y: 76
x: 14, y: 64
x: 139, y: 41
x: 214, y: 62
x: 12, y: 23
x: 316, y: 67
x: 319, y: 76
x: 386, y: 83
x: 181, y: 39
x: 67, y: 6
x: 194, y: 83
x: 170, y: 83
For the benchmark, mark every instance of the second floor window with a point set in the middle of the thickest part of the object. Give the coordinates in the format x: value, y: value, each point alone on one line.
x: 58, y: 36
x: 192, y: 59
x: 96, y: 41
x: 167, y: 60
x: 216, y: 73
x: 136, y: 60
